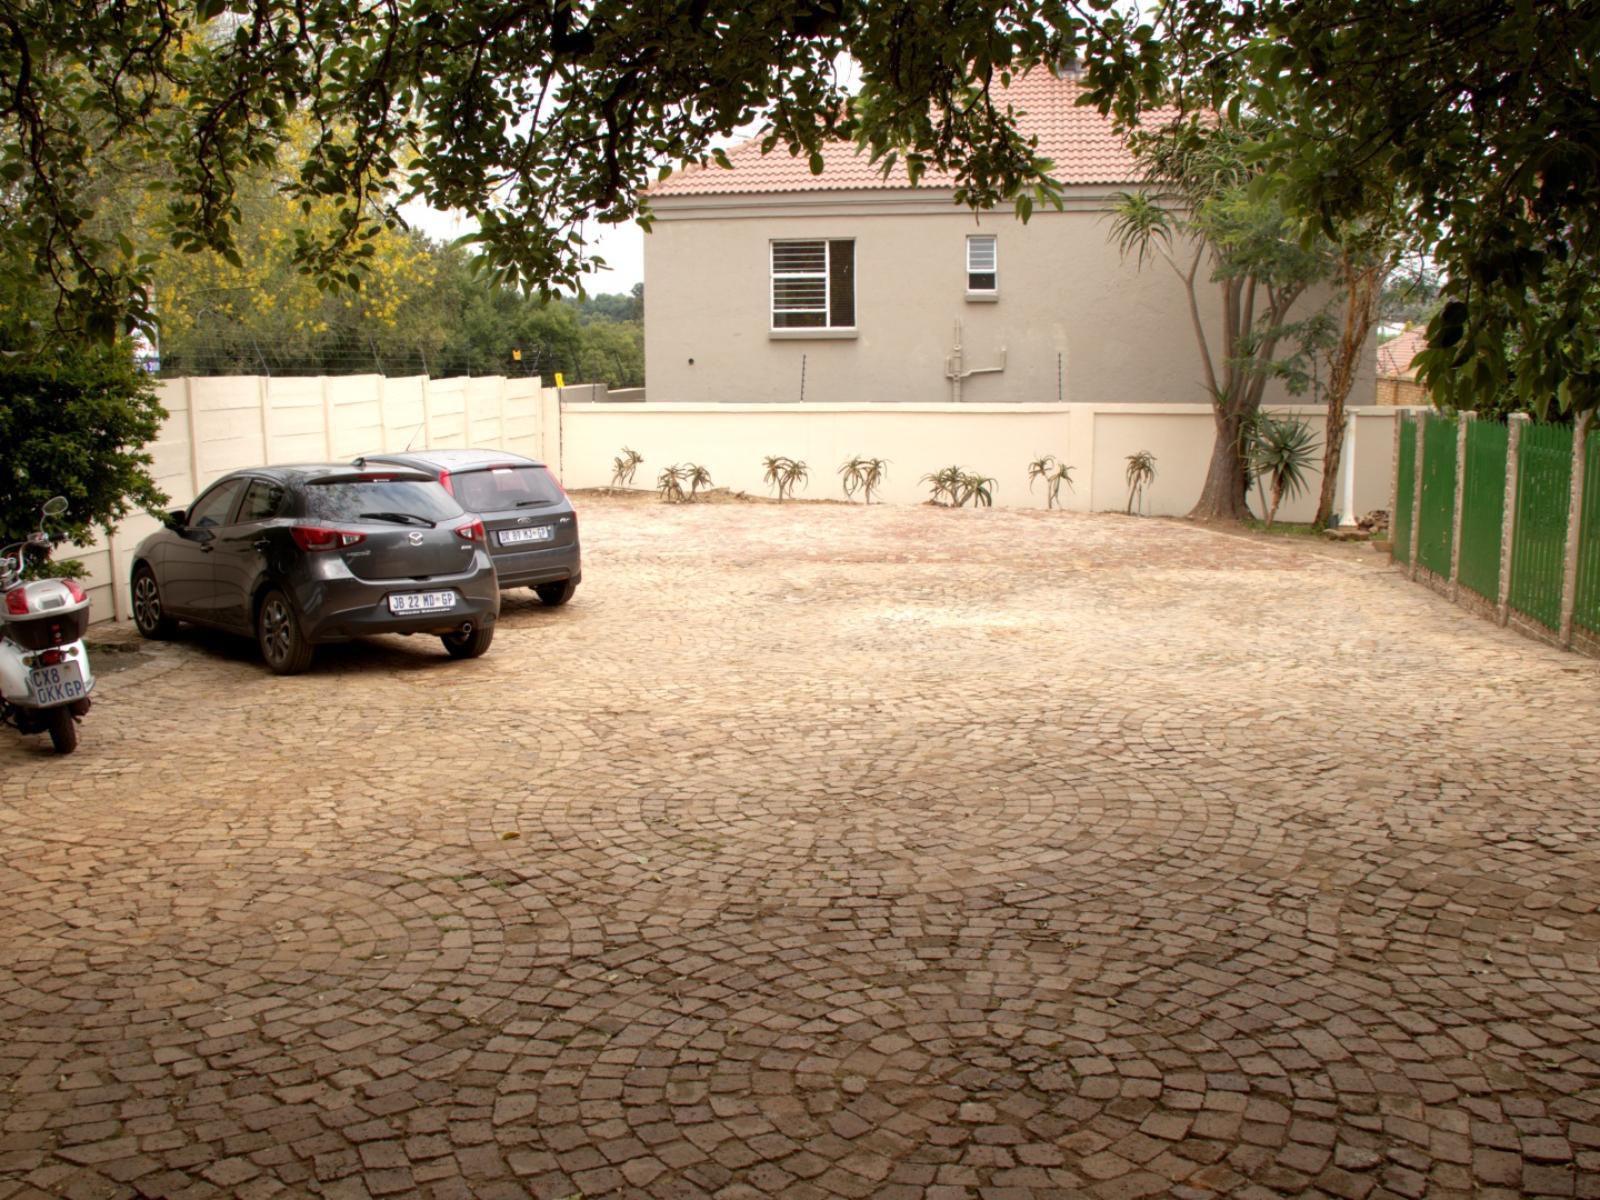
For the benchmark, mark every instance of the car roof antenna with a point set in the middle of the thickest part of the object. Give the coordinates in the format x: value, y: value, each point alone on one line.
x: 414, y: 433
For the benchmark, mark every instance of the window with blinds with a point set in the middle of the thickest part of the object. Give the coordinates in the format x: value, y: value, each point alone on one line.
x: 983, y: 265
x: 814, y: 285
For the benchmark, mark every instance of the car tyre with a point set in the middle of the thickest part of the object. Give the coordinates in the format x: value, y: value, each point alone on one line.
x: 63, y: 730
x: 554, y: 595
x: 148, y: 615
x: 278, y: 633
x: 469, y: 645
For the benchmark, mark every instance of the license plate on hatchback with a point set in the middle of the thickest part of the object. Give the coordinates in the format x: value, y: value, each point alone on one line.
x: 60, y: 684
x: 411, y: 602
x: 513, y: 537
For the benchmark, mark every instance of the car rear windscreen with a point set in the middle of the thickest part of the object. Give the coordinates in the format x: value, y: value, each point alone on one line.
x: 496, y: 489
x: 348, y: 500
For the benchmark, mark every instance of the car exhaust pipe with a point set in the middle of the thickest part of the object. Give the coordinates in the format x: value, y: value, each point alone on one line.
x: 466, y: 629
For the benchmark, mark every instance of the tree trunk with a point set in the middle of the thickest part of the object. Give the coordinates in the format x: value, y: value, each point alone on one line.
x: 1362, y: 285
x: 1223, y: 496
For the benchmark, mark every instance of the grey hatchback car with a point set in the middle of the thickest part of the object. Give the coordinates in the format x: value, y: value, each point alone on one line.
x: 302, y: 555
x: 531, y: 525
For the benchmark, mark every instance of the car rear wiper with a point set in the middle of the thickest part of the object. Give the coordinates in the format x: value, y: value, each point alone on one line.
x: 533, y: 503
x: 399, y: 518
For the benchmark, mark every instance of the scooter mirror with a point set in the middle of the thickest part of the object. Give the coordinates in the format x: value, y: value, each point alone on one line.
x: 55, y: 506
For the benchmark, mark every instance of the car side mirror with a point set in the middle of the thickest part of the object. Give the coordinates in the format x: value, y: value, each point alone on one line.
x: 176, y: 519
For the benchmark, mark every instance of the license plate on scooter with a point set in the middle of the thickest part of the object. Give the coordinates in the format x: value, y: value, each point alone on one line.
x: 60, y: 684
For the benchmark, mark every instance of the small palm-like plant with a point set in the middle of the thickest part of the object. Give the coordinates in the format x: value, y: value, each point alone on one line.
x: 977, y: 488
x: 670, y: 484
x: 864, y: 475
x: 1141, y: 474
x: 944, y: 485
x: 1281, y: 454
x: 954, y: 486
x: 785, y: 474
x: 623, y: 466
x: 1054, y: 472
x: 697, y: 477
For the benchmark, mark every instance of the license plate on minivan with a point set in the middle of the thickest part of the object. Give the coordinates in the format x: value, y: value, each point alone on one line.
x: 512, y: 537
x: 410, y: 602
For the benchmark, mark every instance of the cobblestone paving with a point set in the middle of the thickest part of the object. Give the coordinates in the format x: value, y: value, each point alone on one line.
x: 815, y: 851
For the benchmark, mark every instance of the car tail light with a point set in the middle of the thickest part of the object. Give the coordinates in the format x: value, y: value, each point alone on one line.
x: 445, y: 483
x: 317, y: 537
x: 473, y: 531
x: 51, y: 658
x: 74, y: 590
x: 17, y: 602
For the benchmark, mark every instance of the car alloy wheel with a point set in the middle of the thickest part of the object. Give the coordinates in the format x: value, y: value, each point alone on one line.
x: 147, y: 615
x: 278, y: 632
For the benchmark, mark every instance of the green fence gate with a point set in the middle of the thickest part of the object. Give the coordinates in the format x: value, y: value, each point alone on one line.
x: 1404, y: 485
x: 1483, y: 506
x: 1586, y: 609
x: 1436, y: 517
x: 1544, y: 484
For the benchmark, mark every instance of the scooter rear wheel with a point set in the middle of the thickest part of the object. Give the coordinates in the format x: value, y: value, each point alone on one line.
x: 63, y: 730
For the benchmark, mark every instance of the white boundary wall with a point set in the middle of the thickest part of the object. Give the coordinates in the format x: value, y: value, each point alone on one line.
x: 999, y: 440
x: 216, y: 425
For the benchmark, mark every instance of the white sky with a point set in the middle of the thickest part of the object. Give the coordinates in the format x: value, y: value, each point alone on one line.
x: 622, y: 246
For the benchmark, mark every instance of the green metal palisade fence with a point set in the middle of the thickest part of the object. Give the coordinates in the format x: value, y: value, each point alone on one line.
x: 1544, y: 485
x: 1436, y: 516
x: 1404, y: 486
x: 1586, y: 609
x: 1483, y: 503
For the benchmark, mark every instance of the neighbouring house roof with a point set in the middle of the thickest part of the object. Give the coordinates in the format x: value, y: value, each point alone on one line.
x: 1395, y: 355
x: 1081, y: 144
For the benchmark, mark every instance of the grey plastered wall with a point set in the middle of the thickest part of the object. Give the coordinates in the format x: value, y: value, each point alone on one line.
x: 1077, y: 322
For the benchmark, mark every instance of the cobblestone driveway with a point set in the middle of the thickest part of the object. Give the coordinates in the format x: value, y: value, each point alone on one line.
x: 817, y: 851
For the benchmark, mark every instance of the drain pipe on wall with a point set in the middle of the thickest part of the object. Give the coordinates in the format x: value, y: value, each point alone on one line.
x: 956, y: 370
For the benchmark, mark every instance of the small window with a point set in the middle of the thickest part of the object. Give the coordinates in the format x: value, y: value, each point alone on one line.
x: 814, y: 285
x: 983, y: 267
x: 213, y: 508
x: 261, y: 501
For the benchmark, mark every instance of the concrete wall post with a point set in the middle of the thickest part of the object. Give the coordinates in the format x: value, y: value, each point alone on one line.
x: 1419, y: 422
x: 1508, y: 520
x: 1569, y: 565
x: 1461, y: 491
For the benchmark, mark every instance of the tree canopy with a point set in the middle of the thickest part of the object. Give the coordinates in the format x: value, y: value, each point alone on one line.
x: 1481, y: 116
x: 537, y: 117
x: 532, y: 117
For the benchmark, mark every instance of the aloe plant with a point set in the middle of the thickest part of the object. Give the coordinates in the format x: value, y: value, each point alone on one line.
x: 785, y: 474
x: 1140, y: 474
x: 623, y: 466
x: 954, y: 486
x: 977, y: 488
x: 670, y: 484
x: 943, y: 485
x: 1281, y: 453
x: 1054, y: 472
x: 697, y: 477
x: 863, y: 475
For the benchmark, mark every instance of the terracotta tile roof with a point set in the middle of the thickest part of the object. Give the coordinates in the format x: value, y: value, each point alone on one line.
x: 1077, y: 140
x: 1395, y: 355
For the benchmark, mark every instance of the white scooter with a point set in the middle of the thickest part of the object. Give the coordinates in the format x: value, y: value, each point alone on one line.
x: 45, y: 678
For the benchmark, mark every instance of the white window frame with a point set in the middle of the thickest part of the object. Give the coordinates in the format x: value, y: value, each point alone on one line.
x: 825, y: 276
x: 975, y: 239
